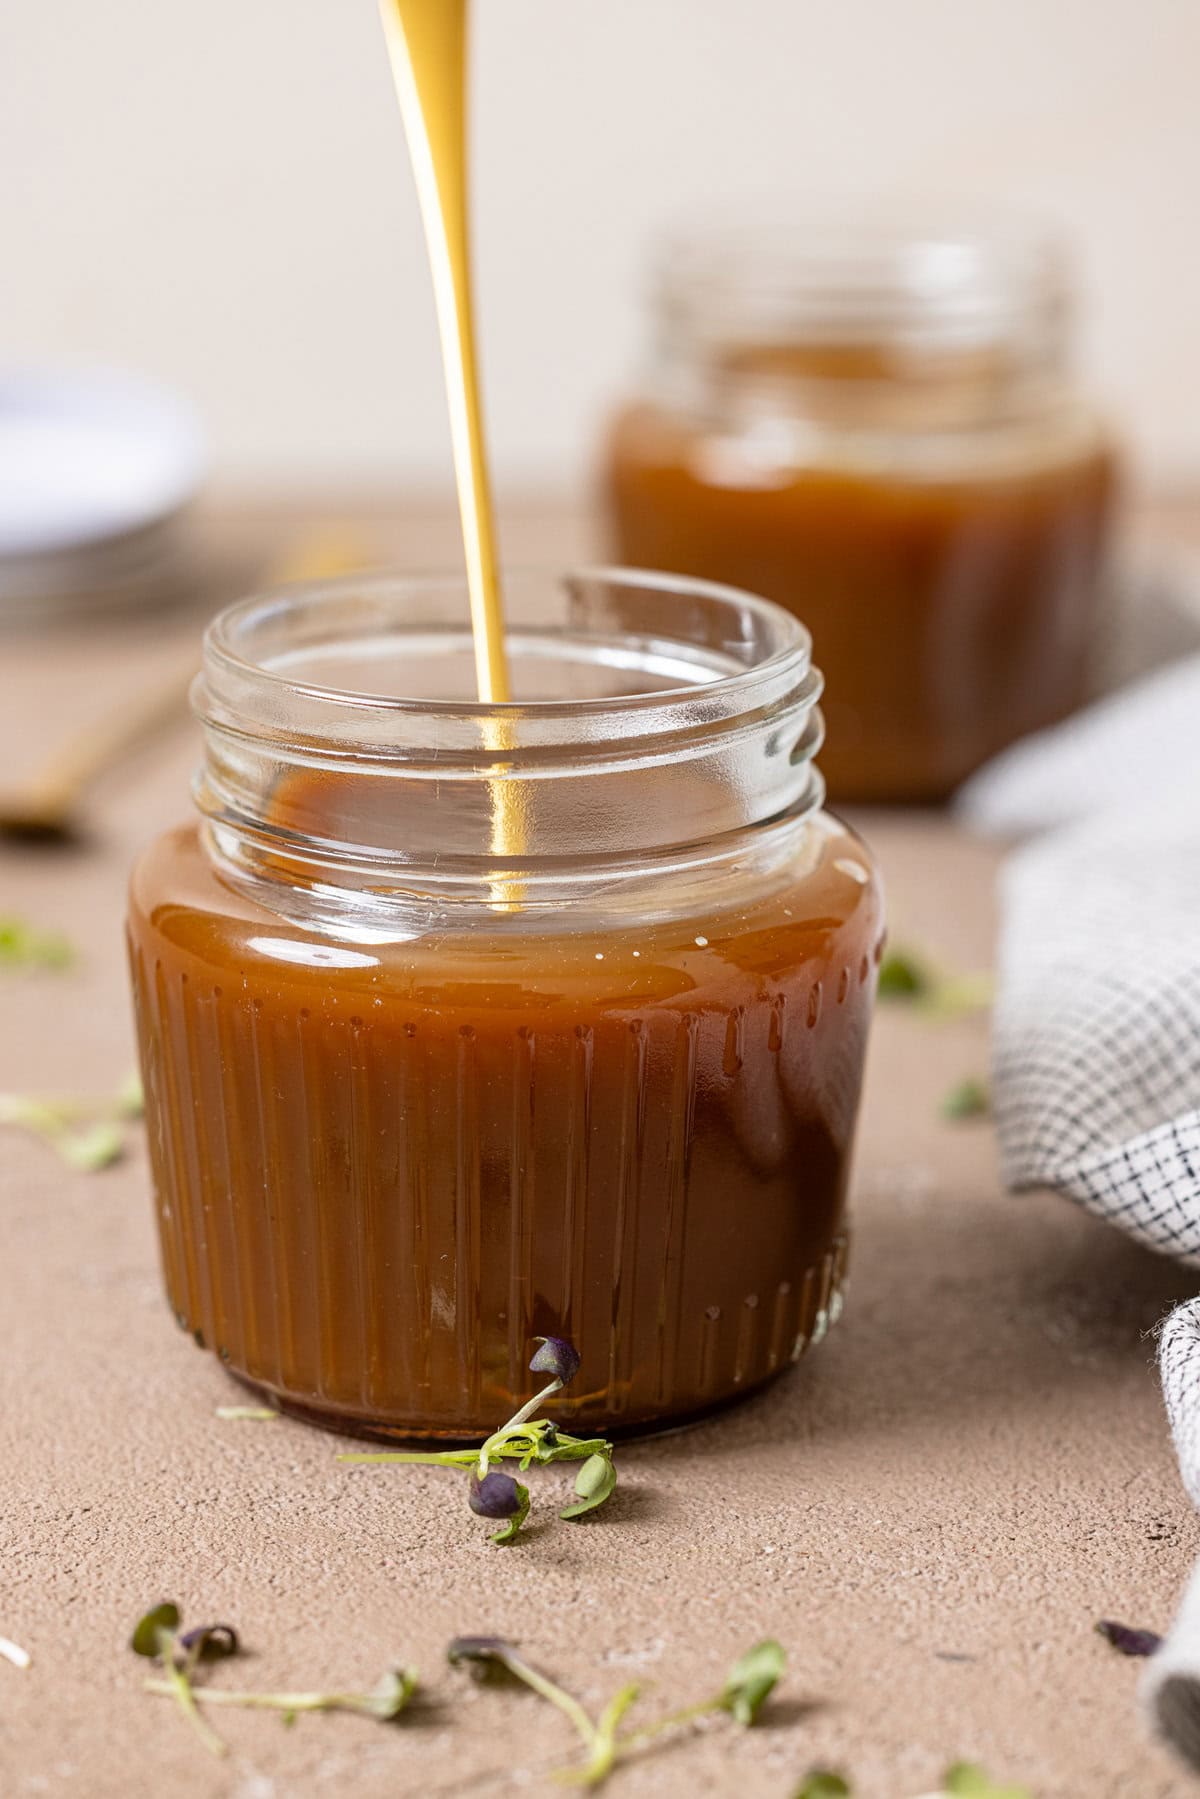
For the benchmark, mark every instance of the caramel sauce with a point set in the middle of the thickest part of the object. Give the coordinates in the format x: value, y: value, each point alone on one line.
x: 950, y: 613
x: 427, y: 43
x: 381, y: 1169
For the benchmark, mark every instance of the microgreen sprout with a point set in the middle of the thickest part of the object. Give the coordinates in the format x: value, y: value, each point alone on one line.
x: 259, y: 1413
x: 911, y: 978
x: 904, y: 975
x: 556, y: 1357
x: 385, y: 1700
x: 821, y: 1784
x: 23, y: 945
x: 1127, y: 1639
x: 180, y: 1653
x: 13, y: 1652
x: 495, y: 1495
x: 529, y: 1441
x: 750, y: 1681
x: 965, y: 1781
x: 966, y: 1099
x: 87, y: 1134
x: 129, y: 1101
x: 157, y: 1637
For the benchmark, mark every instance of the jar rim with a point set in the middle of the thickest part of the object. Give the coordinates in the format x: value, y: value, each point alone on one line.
x: 786, y: 641
x: 712, y: 683
x: 932, y: 274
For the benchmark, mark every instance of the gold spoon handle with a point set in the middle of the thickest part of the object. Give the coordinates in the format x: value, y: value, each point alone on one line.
x: 70, y: 769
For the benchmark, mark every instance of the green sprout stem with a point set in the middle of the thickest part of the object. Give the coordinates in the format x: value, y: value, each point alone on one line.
x: 606, y: 1746
x: 527, y: 1440
x: 674, y: 1720
x: 521, y: 1416
x: 178, y: 1683
x: 558, y: 1696
x: 288, y: 1703
x: 87, y: 1133
x: 751, y: 1680
x: 23, y: 945
x: 518, y: 1447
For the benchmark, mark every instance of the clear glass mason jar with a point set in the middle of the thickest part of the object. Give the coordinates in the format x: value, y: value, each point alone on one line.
x: 875, y: 425
x: 461, y: 1024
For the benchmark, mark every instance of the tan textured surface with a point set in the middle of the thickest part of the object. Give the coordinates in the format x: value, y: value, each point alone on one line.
x: 930, y: 1514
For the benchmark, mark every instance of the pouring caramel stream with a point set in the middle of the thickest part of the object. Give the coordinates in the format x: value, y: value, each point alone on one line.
x: 427, y: 44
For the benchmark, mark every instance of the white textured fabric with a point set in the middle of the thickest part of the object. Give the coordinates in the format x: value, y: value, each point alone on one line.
x: 1097, y: 1023
x: 1134, y: 746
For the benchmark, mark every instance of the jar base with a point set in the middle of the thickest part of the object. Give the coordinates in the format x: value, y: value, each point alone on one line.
x: 349, y: 1424
x: 397, y: 1437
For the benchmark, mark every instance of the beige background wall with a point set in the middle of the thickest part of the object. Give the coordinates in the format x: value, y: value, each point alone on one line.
x: 219, y: 193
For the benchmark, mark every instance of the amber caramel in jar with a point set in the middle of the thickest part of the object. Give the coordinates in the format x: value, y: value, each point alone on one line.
x: 418, y: 1093
x: 876, y: 432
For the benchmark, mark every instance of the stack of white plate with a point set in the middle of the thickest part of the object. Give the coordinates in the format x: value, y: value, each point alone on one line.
x: 96, y: 471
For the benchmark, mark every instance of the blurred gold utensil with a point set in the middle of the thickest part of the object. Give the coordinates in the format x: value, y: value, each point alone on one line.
x: 48, y: 806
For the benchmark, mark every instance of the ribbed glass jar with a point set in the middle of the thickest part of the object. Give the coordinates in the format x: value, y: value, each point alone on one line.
x: 875, y: 423
x: 463, y: 1023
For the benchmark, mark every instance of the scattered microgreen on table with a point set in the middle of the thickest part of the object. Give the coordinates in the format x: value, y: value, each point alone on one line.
x: 180, y: 1653
x: 87, y: 1134
x: 912, y: 979
x: 1127, y: 1639
x: 966, y: 1099
x: 751, y: 1680
x: 23, y: 945
x: 962, y: 1781
x: 966, y: 1781
x: 528, y: 1440
x: 157, y: 1636
x: 261, y: 1414
x: 904, y: 975
x: 821, y: 1784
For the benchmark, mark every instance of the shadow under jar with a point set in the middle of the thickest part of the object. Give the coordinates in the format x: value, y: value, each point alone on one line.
x: 875, y: 426
x: 461, y: 1024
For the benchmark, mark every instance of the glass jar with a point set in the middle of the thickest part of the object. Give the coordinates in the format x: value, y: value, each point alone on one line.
x: 462, y: 1024
x: 875, y: 426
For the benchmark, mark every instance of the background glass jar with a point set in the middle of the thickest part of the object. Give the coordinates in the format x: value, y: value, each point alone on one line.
x: 461, y: 1023
x: 875, y: 426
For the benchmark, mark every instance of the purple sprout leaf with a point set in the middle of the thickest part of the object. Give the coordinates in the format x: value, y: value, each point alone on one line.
x: 497, y: 1495
x: 484, y: 1651
x: 209, y: 1642
x: 556, y: 1357
x: 594, y: 1483
x: 1127, y: 1639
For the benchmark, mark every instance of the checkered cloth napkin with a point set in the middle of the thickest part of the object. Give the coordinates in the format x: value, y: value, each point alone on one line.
x: 1097, y: 1024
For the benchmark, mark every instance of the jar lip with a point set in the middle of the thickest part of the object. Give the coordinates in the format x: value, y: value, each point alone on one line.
x: 790, y: 656
x: 929, y: 272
